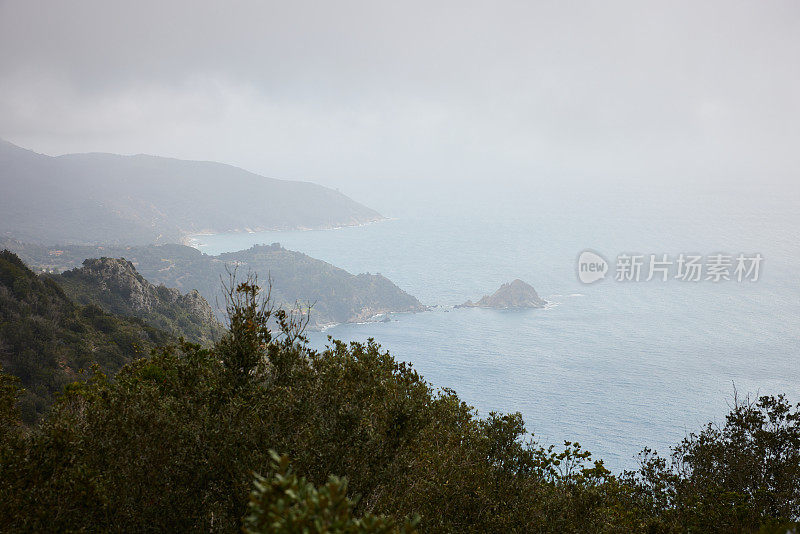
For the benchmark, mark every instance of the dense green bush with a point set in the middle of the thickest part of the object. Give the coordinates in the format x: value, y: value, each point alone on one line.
x: 741, y: 477
x: 173, y: 443
x: 46, y: 339
x: 287, y: 504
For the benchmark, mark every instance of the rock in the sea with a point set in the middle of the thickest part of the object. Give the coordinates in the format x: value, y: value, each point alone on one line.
x: 516, y: 294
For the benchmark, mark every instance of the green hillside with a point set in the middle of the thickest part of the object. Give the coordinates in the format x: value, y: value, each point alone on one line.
x: 115, y: 286
x: 46, y: 339
x: 337, y: 296
x: 261, y: 434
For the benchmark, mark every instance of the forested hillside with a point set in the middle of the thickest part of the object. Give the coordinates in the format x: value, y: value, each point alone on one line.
x: 46, y: 339
x: 115, y: 286
x: 113, y: 199
x: 336, y: 295
x: 171, y: 444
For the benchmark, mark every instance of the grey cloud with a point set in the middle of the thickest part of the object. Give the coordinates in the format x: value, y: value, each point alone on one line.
x: 446, y: 90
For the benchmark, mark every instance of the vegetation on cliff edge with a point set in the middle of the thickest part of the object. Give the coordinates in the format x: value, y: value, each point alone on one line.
x: 185, y: 440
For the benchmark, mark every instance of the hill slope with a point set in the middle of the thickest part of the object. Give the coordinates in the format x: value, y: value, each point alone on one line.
x: 45, y: 338
x: 116, y: 287
x: 337, y: 296
x: 107, y: 198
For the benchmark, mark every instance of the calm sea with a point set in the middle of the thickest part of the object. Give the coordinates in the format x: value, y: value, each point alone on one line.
x: 616, y: 366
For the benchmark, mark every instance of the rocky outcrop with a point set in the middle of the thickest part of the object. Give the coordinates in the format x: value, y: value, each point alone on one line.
x: 119, y: 277
x: 115, y: 286
x: 516, y: 294
x: 46, y: 338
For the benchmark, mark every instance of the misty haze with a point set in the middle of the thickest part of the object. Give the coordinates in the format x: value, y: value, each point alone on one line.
x: 399, y: 267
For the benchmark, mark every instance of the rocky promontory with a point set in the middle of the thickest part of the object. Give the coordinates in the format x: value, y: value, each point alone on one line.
x: 516, y: 294
x: 114, y: 285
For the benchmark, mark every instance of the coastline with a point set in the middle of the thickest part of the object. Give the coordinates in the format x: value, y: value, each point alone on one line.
x: 193, y: 239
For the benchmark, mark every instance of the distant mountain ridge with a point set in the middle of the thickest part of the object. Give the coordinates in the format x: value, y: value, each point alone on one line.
x: 115, y: 286
x: 137, y: 200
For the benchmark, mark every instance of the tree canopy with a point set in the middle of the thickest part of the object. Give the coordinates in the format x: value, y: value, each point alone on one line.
x: 186, y: 440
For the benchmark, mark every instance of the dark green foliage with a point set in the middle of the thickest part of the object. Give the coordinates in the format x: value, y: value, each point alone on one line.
x: 245, y: 346
x: 287, y: 504
x: 737, y: 478
x: 173, y: 441
x: 10, y: 422
x: 45, y: 339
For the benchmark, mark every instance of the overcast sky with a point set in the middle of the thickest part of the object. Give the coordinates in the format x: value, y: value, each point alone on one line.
x: 400, y: 90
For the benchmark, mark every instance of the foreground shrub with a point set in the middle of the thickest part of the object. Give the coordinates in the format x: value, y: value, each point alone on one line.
x: 172, y: 443
x: 287, y: 504
x: 741, y: 477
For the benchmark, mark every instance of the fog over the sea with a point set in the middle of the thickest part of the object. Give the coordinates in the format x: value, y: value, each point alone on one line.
x: 344, y: 92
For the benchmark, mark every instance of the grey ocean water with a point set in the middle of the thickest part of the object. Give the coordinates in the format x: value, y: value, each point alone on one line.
x: 616, y: 366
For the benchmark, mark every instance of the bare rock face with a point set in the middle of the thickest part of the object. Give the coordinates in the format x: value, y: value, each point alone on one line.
x: 115, y: 286
x: 119, y: 277
x: 516, y: 294
x: 196, y: 305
